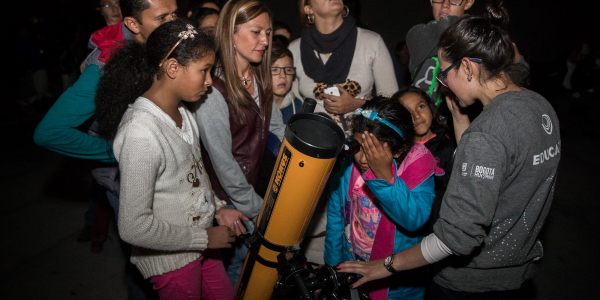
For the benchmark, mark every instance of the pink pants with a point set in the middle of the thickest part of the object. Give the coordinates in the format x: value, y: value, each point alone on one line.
x: 204, y: 278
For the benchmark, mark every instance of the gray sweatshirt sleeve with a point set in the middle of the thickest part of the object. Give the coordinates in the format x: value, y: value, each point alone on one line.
x: 276, y: 125
x: 384, y: 76
x: 470, y: 201
x: 212, y: 117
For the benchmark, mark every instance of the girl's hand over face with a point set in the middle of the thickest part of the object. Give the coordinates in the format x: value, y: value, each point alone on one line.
x: 342, y: 104
x: 379, y: 156
x: 220, y: 237
x: 231, y: 218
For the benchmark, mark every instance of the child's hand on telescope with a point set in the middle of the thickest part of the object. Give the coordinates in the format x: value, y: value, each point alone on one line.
x: 231, y: 218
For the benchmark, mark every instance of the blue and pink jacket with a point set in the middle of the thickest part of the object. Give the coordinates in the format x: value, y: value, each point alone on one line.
x: 405, y: 205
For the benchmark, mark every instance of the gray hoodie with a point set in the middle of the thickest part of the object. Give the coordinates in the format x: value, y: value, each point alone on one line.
x: 499, y: 195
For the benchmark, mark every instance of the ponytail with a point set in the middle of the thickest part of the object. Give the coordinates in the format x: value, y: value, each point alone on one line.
x: 496, y: 14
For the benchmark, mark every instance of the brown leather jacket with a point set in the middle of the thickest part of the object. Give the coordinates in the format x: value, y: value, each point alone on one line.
x: 248, y: 141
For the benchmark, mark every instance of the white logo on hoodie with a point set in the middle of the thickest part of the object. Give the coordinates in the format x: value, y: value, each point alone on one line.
x: 547, y: 124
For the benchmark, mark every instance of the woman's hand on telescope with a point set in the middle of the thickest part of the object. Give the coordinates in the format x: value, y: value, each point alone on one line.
x: 370, y: 270
x: 231, y: 218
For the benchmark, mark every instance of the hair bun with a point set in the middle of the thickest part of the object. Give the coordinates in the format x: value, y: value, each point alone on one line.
x: 495, y: 13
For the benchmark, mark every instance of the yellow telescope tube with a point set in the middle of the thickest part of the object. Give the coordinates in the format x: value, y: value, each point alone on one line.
x: 306, y: 157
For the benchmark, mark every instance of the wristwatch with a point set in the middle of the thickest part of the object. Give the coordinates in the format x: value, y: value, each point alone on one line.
x: 387, y: 263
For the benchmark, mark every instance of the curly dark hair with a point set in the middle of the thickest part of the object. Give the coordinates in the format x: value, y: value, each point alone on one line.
x: 393, y: 112
x: 132, y: 69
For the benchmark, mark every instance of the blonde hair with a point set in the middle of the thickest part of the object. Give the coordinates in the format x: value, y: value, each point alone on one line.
x: 235, y: 13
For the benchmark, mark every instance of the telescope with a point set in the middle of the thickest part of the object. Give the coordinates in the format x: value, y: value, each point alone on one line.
x: 308, y: 152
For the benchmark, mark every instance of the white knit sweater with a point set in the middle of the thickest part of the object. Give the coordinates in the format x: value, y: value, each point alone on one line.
x: 371, y: 67
x: 166, y: 201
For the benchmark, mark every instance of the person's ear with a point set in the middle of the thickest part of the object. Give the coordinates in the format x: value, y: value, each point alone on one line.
x: 469, y: 4
x: 189, y: 14
x: 308, y: 10
x: 468, y: 68
x: 132, y: 24
x: 172, y: 67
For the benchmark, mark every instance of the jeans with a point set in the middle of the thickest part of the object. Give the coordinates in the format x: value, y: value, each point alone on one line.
x: 234, y: 257
x: 113, y: 200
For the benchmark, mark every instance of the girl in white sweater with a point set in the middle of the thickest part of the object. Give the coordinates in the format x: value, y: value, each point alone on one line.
x: 167, y: 205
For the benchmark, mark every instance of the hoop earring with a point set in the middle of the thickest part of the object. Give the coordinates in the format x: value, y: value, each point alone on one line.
x: 311, y: 18
x: 347, y: 11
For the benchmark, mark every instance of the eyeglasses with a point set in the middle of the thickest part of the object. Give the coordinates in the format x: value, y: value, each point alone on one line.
x: 109, y: 5
x: 442, y: 76
x: 286, y: 70
x: 453, y: 2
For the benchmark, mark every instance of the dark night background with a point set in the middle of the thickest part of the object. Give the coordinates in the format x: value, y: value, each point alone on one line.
x: 44, y: 194
x: 543, y: 30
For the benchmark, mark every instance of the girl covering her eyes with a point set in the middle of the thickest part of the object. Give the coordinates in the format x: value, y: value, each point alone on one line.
x: 382, y: 195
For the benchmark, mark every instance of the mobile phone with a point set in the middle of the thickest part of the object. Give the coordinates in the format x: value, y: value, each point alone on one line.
x: 332, y: 90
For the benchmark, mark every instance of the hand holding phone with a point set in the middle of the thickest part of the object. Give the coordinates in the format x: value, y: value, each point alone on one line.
x: 332, y: 90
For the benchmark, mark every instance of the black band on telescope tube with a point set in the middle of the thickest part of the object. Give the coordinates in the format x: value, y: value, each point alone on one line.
x: 314, y: 135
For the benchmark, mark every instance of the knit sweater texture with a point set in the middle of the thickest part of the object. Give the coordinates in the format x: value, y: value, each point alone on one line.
x: 166, y: 199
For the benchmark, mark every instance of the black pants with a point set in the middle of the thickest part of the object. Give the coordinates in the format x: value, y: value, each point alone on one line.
x: 437, y: 292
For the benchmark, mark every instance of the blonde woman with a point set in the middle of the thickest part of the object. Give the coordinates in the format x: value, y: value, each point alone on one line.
x: 235, y: 119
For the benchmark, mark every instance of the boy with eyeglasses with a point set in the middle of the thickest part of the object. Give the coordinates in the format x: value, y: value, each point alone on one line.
x: 283, y: 72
